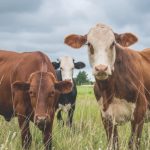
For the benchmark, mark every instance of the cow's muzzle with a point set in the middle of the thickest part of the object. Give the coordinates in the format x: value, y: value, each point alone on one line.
x: 101, y: 72
x: 42, y: 121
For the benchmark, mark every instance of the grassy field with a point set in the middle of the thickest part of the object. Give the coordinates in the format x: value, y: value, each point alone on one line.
x: 87, y: 132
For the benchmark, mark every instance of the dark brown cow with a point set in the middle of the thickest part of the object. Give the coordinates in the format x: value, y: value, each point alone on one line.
x: 122, y: 80
x: 29, y: 90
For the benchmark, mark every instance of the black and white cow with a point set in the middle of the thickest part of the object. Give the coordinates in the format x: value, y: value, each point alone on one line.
x: 64, y: 70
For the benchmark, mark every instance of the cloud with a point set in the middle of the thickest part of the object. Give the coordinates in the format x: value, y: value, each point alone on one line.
x: 42, y: 24
x: 17, y: 6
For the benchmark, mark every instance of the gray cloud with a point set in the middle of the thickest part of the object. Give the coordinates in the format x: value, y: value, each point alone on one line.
x: 42, y: 24
x: 19, y: 6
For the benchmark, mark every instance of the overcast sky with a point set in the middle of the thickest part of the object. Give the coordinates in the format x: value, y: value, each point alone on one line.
x: 29, y: 25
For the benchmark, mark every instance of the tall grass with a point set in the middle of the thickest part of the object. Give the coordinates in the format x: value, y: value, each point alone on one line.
x: 87, y: 132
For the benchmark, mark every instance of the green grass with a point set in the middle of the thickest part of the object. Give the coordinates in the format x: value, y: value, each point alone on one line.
x: 87, y: 132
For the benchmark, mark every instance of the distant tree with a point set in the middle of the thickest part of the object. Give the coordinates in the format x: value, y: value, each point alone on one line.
x: 82, y: 78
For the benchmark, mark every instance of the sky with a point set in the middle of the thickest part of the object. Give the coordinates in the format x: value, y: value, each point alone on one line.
x: 31, y: 25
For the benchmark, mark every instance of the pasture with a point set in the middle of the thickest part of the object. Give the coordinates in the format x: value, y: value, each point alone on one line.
x: 87, y: 132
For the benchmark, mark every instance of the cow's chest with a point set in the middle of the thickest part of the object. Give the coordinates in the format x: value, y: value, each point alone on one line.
x: 119, y: 111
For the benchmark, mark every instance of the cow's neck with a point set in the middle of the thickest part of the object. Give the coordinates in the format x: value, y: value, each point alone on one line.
x: 107, y: 91
x: 119, y: 84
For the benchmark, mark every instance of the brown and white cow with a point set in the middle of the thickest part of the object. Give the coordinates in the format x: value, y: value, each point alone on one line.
x: 29, y: 90
x: 122, y: 80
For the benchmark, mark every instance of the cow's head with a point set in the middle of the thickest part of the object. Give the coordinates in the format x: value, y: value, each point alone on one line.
x: 67, y: 66
x: 101, y: 42
x: 43, y: 90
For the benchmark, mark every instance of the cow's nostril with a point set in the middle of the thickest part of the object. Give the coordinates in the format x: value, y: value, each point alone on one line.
x: 101, y: 68
x: 105, y: 68
x: 41, y: 119
x: 97, y: 68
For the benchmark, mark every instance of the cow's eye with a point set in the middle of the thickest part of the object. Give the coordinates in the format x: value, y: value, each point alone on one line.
x: 51, y: 94
x: 88, y: 44
x: 61, y: 68
x: 112, y: 45
x: 32, y: 93
x: 91, y: 48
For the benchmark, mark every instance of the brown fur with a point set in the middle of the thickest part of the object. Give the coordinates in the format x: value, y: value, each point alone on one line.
x: 130, y: 81
x: 22, y: 74
x: 125, y: 39
x: 76, y: 41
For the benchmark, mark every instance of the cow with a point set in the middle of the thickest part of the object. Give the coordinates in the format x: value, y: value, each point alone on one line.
x: 29, y: 90
x: 67, y: 101
x: 122, y: 80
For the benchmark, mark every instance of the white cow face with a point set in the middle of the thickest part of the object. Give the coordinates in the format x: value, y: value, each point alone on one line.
x: 101, y: 51
x: 101, y: 48
x: 67, y: 66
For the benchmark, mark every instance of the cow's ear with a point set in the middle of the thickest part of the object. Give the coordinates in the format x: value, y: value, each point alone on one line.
x: 19, y: 85
x: 63, y: 86
x: 126, y: 39
x: 56, y: 65
x: 79, y: 65
x: 75, y: 41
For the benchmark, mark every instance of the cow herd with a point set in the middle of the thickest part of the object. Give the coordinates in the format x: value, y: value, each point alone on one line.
x: 32, y: 87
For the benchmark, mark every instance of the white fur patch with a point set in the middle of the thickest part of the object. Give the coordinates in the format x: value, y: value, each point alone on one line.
x: 101, y: 38
x: 119, y: 111
x: 64, y: 108
x: 67, y: 65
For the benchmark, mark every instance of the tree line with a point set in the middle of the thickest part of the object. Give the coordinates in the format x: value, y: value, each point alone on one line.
x: 82, y: 78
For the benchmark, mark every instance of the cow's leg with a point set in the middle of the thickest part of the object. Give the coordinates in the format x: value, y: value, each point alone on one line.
x: 19, y: 102
x: 136, y: 132
x: 59, y: 117
x: 112, y: 134
x: 25, y: 132
x: 134, y: 143
x: 70, y: 116
x: 137, y: 124
x: 47, y: 135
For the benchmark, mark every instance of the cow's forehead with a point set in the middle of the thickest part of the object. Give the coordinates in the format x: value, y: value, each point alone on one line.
x: 100, y: 33
x: 66, y: 61
x: 42, y: 78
